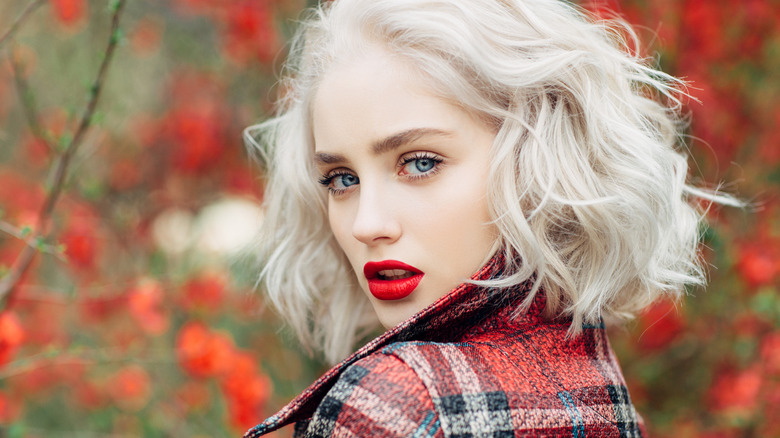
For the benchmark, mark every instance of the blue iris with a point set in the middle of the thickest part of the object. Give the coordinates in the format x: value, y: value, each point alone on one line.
x: 424, y: 164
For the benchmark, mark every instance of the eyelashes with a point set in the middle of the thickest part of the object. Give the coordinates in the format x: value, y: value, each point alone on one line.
x: 338, y: 181
x: 420, y: 165
x: 415, y: 166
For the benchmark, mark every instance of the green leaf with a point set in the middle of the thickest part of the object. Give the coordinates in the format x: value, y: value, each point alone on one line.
x: 40, y: 244
x: 118, y: 36
x: 97, y: 118
x: 26, y: 231
x: 16, y: 431
x: 765, y: 302
x: 93, y: 189
x: 774, y: 177
x: 745, y: 349
x: 64, y: 141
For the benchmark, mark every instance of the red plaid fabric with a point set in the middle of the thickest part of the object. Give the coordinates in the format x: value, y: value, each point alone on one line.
x: 463, y: 367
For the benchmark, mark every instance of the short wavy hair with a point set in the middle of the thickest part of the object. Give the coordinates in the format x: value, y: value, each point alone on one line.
x: 588, y: 174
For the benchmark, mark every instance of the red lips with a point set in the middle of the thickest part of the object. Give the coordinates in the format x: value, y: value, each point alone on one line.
x: 389, y: 288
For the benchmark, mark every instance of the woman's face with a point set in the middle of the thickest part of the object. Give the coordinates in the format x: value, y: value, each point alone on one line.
x: 407, y: 179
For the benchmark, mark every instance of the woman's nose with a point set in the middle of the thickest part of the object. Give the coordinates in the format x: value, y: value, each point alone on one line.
x: 376, y: 220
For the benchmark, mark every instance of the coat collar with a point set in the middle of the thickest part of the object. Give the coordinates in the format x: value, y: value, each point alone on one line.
x: 464, y: 309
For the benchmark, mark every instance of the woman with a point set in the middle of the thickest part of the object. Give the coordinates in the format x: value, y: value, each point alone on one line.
x: 497, y: 178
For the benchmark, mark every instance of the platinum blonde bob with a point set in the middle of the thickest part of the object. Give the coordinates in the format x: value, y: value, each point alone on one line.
x: 588, y: 173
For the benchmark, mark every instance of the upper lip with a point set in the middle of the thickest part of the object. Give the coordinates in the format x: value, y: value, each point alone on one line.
x: 371, y: 269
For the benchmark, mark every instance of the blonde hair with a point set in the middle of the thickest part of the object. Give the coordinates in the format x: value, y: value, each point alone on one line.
x: 588, y: 174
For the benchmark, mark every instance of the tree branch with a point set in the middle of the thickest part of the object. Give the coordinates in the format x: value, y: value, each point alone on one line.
x: 23, y: 234
x: 15, y: 25
x: 81, y: 355
x: 25, y: 258
x: 27, y: 99
x: 86, y: 119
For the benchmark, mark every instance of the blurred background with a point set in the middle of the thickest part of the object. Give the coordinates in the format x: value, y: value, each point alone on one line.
x: 126, y: 196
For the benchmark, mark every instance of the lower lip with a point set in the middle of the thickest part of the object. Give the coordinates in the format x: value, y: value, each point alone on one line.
x: 387, y: 290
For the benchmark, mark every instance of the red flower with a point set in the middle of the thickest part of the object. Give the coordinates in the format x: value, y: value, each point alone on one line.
x: 241, y: 180
x: 125, y: 174
x: 130, y: 388
x: 749, y: 325
x: 719, y: 119
x: 5, y: 407
x: 705, y: 22
x: 81, y: 237
x: 146, y: 36
x: 770, y: 352
x: 244, y: 416
x: 80, y: 247
x: 769, y: 142
x: 70, y: 371
x: 10, y: 409
x: 194, y: 395
x: 237, y: 384
x: 196, y: 136
x: 98, y: 310
x: 142, y: 130
x: 146, y: 306
x: 89, y: 396
x: 37, y: 381
x: 759, y: 262
x: 736, y: 391
x: 36, y: 150
x: 659, y: 325
x: 205, y: 292
x: 20, y: 198
x: 11, y: 336
x: 69, y: 12
x: 246, y: 391
x: 603, y: 9
x: 43, y: 319
x: 250, y: 32
x: 771, y: 411
x: 203, y: 353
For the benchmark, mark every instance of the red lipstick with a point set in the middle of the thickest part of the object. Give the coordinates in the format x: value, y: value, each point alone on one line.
x: 386, y: 282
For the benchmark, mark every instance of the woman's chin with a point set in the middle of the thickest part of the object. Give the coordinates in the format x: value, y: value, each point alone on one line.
x: 392, y: 313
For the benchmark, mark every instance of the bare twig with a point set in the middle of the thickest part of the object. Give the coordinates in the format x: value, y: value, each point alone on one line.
x: 23, y: 234
x: 27, y: 99
x: 26, y: 256
x: 33, y: 5
x: 81, y: 355
x: 12, y: 230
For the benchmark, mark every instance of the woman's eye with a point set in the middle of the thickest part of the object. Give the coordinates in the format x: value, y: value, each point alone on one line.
x: 338, y: 182
x: 419, y: 165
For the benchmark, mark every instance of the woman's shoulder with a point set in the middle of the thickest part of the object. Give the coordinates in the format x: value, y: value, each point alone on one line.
x: 378, y: 395
x: 430, y: 388
x: 536, y: 361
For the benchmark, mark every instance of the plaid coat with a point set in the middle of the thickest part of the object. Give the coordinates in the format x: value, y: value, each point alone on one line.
x: 463, y: 367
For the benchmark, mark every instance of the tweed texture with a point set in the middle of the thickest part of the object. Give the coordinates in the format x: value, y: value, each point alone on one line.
x: 464, y: 367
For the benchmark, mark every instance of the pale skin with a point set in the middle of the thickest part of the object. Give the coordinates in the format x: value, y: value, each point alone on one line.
x: 406, y: 173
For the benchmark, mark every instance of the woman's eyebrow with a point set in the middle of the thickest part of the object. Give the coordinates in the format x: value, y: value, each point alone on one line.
x: 326, y: 158
x: 397, y: 140
x: 385, y: 145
